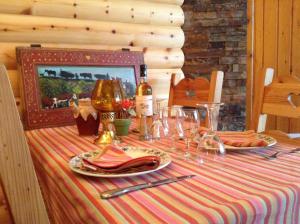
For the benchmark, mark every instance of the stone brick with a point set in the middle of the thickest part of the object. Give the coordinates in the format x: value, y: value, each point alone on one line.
x: 216, y: 38
x: 235, y: 67
x: 228, y: 60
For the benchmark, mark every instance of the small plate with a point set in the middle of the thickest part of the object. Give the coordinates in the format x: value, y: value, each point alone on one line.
x: 268, y: 139
x: 134, y: 152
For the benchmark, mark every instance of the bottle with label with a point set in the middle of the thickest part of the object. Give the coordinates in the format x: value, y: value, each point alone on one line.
x: 144, y: 102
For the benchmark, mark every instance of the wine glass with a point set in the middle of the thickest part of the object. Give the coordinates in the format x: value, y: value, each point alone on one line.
x: 210, y: 142
x: 172, y: 126
x: 191, y: 123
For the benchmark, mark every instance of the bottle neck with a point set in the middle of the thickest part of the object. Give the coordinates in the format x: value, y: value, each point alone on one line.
x: 143, y: 79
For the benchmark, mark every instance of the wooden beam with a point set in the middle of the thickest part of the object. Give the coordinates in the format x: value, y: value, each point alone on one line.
x: 23, y: 28
x: 157, y: 58
x: 139, y: 12
x: 23, y: 6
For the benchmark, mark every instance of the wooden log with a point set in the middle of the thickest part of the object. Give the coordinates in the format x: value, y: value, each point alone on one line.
x: 22, y: 28
x: 115, y: 11
x: 154, y: 57
x: 23, y: 6
x: 159, y: 79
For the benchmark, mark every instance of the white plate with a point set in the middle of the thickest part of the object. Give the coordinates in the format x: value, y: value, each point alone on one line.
x: 134, y: 152
x: 268, y: 139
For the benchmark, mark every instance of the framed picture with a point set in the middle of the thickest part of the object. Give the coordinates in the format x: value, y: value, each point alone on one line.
x: 51, y: 78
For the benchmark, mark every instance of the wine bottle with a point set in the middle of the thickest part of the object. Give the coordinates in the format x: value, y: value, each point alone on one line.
x: 144, y: 104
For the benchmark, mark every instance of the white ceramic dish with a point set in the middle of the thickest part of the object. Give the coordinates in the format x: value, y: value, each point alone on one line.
x: 134, y: 152
x: 268, y: 139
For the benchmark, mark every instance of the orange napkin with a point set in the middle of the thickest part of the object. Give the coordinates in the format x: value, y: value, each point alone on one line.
x: 115, y: 160
x: 238, y: 138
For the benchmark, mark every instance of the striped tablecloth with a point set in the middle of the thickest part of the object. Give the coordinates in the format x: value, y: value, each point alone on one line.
x: 242, y: 188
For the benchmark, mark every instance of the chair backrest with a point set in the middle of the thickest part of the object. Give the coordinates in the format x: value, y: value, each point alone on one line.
x: 189, y: 92
x: 16, y: 167
x: 275, y: 98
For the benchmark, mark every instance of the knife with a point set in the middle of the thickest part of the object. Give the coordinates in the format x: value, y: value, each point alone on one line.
x: 120, y: 191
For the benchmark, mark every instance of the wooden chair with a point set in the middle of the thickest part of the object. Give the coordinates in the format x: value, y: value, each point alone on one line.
x: 189, y: 92
x: 275, y: 97
x: 16, y: 167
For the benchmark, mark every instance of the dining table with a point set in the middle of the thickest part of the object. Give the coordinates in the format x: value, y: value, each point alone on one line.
x: 240, y: 187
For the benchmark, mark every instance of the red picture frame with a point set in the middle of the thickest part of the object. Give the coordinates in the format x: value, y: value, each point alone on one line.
x: 29, y: 58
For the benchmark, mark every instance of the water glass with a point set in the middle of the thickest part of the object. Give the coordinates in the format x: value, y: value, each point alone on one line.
x: 171, y: 124
x: 191, y: 124
x: 210, y: 141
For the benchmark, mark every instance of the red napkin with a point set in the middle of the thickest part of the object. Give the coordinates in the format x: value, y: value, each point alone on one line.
x: 239, y: 138
x: 115, y: 160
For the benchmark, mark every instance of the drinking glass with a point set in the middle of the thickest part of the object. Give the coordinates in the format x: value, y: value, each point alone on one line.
x: 191, y: 123
x: 171, y: 125
x: 210, y: 141
x: 157, y: 127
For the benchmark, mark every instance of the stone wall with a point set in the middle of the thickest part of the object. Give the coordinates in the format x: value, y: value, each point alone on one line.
x: 215, y: 33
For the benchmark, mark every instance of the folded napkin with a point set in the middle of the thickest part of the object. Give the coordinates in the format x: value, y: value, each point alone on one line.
x: 238, y: 138
x: 115, y: 160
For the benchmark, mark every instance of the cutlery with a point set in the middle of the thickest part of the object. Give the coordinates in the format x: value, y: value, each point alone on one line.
x: 274, y: 155
x: 120, y: 191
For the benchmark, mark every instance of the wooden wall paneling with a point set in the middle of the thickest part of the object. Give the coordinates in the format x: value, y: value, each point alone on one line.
x: 115, y: 11
x: 250, y: 51
x: 162, y: 58
x: 284, y: 50
x: 257, y: 55
x: 16, y: 167
x: 295, y: 55
x: 270, y: 46
x: 22, y: 28
x: 296, y: 39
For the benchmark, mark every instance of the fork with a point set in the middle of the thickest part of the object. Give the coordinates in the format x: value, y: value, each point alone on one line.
x: 274, y: 155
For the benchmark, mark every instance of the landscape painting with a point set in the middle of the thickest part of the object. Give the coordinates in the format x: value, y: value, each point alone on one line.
x: 60, y: 84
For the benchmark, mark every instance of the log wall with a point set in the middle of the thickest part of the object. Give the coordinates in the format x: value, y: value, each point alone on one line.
x: 151, y: 26
x: 273, y: 41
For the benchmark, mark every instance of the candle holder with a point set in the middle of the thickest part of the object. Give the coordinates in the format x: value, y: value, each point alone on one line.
x: 107, y: 97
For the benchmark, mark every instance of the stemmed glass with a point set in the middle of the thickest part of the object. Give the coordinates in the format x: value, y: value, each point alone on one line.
x: 210, y: 141
x: 191, y: 123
